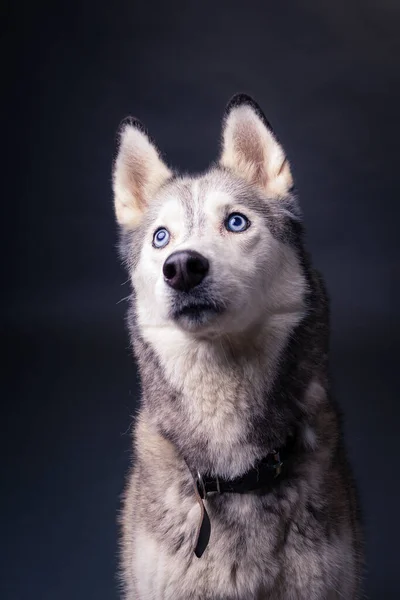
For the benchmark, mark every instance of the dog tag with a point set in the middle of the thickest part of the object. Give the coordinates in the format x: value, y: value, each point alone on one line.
x: 204, y: 528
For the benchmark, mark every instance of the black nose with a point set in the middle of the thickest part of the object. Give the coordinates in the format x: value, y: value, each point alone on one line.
x: 185, y: 269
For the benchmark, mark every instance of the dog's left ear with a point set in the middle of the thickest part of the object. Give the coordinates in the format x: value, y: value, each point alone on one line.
x: 251, y: 150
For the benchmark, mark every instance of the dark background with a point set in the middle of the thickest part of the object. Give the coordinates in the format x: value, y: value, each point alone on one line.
x: 327, y: 77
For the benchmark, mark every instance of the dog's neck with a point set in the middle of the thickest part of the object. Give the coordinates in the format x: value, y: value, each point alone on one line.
x: 214, y: 398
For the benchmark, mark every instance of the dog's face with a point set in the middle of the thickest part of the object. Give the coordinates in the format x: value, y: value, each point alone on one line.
x: 210, y: 255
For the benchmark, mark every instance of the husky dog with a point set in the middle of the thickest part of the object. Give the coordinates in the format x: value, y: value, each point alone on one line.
x: 241, y: 488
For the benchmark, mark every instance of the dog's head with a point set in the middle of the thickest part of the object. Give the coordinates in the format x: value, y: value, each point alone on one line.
x: 212, y: 254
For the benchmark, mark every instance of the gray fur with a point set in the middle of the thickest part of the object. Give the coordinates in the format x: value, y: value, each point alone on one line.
x: 302, y: 541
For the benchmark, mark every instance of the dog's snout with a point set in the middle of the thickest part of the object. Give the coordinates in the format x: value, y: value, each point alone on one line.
x: 185, y: 269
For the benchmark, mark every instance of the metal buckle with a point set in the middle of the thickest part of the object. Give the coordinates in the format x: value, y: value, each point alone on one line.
x: 202, y: 488
x: 200, y: 485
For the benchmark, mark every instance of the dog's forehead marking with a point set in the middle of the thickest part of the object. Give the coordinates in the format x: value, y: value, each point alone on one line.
x: 190, y: 206
x: 171, y: 210
x: 215, y: 201
x: 209, y: 204
x: 194, y: 208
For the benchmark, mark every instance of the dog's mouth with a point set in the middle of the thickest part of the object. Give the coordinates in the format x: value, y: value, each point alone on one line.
x: 196, y: 312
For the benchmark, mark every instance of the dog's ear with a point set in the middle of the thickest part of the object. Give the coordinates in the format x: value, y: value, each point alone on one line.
x: 251, y: 150
x: 138, y: 173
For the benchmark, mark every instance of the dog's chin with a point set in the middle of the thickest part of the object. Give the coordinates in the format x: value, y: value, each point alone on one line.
x: 197, y: 317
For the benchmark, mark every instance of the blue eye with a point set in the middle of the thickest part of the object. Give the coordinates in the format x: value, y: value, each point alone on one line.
x: 237, y: 223
x: 161, y: 238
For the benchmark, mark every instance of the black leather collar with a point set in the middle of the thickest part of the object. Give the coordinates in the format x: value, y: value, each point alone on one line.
x: 264, y: 476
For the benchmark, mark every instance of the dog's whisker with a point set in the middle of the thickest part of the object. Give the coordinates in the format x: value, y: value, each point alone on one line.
x: 124, y: 299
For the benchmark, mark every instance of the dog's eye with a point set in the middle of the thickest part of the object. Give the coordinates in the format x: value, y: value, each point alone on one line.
x: 161, y: 238
x: 237, y: 223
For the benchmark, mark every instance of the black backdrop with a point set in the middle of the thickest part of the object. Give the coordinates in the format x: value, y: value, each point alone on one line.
x: 327, y: 76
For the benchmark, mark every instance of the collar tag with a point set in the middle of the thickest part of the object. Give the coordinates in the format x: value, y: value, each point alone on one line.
x: 204, y: 527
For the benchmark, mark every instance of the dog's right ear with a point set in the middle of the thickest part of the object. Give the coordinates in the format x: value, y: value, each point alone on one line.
x: 138, y: 173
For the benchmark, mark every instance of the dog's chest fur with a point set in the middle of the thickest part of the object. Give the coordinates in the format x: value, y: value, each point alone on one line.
x: 260, y: 547
x: 208, y: 404
x: 208, y: 396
